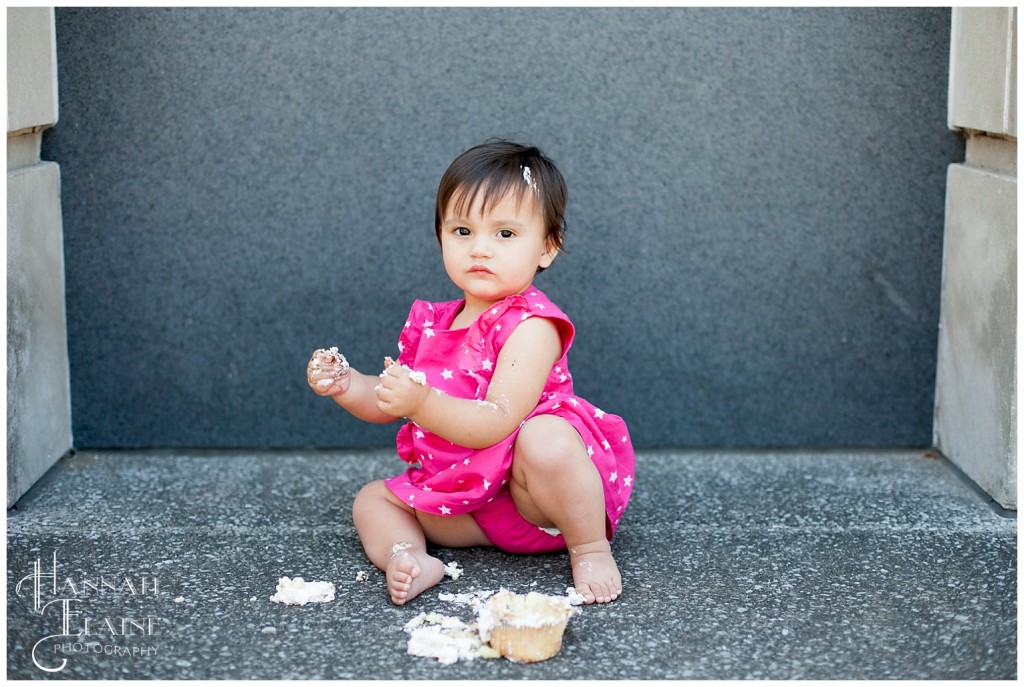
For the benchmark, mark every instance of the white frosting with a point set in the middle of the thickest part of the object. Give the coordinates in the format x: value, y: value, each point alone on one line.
x: 528, y: 178
x: 523, y: 610
x: 445, y: 638
x: 453, y: 570
x: 330, y: 359
x: 472, y: 599
x: 415, y: 375
x: 298, y: 592
x: 575, y: 598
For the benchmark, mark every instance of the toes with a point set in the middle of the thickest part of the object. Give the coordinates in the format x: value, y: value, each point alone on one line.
x: 407, y: 576
x: 586, y: 593
x: 401, y: 576
x: 399, y: 591
x: 599, y: 593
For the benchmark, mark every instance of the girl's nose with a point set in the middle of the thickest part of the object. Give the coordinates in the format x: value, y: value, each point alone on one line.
x: 481, y: 247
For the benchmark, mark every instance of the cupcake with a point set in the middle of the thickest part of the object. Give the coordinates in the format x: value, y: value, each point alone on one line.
x: 525, y: 628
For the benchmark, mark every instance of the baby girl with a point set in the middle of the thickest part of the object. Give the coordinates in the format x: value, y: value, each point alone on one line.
x: 501, y: 452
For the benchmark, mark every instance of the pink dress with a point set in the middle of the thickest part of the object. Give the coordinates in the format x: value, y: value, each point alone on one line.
x: 447, y: 479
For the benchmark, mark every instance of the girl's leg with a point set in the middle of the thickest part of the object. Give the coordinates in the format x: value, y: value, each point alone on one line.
x: 394, y: 541
x: 394, y: 537
x: 556, y: 484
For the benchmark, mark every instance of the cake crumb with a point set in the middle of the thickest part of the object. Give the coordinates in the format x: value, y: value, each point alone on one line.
x: 528, y: 179
x: 362, y: 576
x: 453, y: 570
x: 179, y: 600
x: 330, y: 358
x: 415, y: 375
x: 575, y: 598
x: 472, y: 599
x: 445, y: 638
x: 298, y: 592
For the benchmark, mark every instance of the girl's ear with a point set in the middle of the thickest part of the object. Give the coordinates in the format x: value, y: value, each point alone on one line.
x: 549, y: 254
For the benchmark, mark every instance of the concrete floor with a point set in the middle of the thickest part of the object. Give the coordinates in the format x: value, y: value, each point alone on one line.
x: 780, y: 565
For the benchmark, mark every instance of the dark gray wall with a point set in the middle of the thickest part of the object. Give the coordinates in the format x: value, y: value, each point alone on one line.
x: 755, y: 217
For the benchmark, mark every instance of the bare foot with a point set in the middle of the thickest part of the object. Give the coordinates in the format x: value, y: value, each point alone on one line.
x: 594, y: 572
x: 410, y: 572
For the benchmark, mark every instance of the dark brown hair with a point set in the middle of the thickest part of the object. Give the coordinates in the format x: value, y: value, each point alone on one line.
x: 497, y: 168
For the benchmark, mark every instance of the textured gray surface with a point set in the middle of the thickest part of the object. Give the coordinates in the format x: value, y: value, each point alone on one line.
x: 735, y: 565
x: 755, y: 214
x: 38, y: 391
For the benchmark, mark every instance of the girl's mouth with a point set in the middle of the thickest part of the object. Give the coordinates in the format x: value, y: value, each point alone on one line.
x: 479, y: 269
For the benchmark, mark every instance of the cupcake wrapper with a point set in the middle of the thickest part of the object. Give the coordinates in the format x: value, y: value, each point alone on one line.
x: 528, y: 644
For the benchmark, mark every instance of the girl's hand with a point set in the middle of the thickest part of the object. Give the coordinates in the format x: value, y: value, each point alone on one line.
x: 401, y: 392
x: 327, y: 372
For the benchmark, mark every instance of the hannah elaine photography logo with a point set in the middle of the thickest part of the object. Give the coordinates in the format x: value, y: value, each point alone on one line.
x: 59, y: 599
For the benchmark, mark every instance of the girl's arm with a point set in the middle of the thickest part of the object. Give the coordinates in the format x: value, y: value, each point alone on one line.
x: 360, y: 398
x: 520, y: 373
x: 349, y: 388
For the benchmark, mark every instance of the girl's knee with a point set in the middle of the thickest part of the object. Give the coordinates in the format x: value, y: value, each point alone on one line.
x: 371, y: 490
x: 365, y: 497
x: 371, y: 496
x: 547, y: 443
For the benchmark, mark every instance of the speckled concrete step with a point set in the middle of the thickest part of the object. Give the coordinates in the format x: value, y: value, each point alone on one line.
x: 871, y: 564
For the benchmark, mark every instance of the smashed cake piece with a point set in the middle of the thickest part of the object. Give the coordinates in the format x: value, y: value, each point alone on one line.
x: 330, y: 360
x: 298, y: 592
x: 446, y: 638
x: 575, y: 598
x: 474, y: 599
x: 453, y: 570
x: 525, y: 628
x: 331, y: 356
x: 415, y: 375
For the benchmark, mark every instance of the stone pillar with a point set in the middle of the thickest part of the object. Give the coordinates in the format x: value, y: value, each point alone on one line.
x: 976, y: 390
x: 38, y: 390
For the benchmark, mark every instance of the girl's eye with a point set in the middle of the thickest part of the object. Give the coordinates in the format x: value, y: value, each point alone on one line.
x: 506, y: 233
x: 461, y: 231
